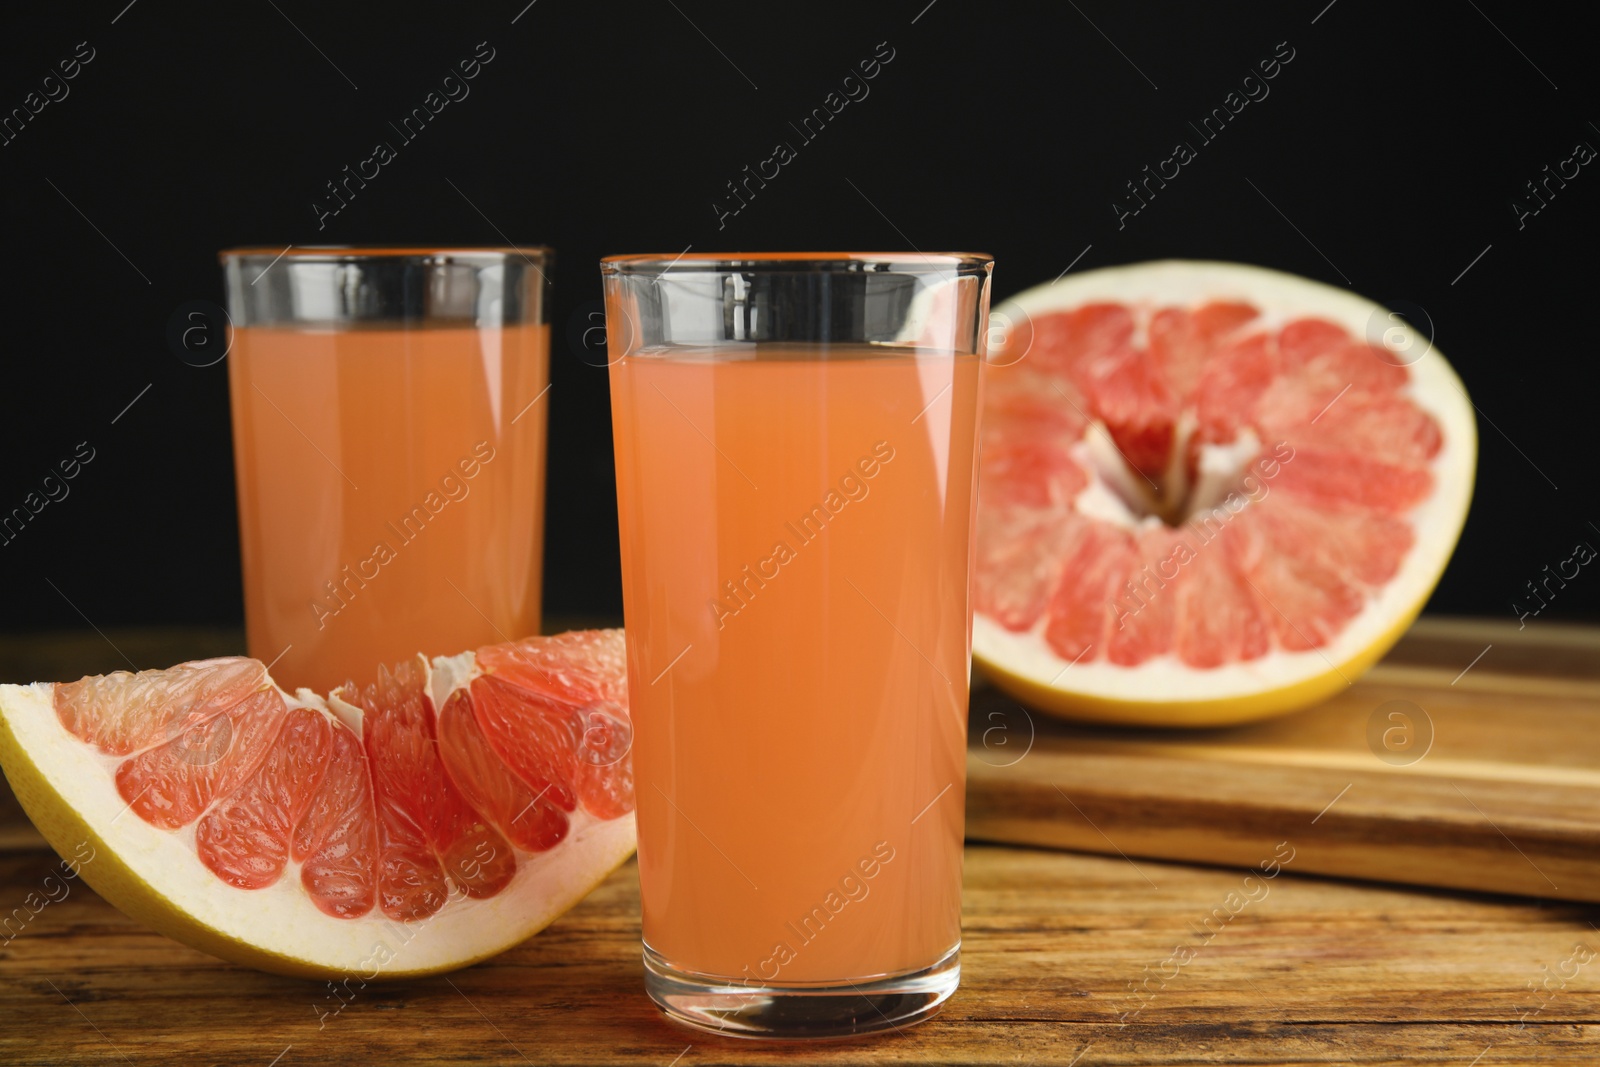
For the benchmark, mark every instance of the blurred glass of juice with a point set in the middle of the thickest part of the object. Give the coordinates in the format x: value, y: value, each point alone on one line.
x: 389, y: 412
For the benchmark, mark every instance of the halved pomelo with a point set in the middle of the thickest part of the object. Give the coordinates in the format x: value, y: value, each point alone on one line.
x: 430, y: 820
x: 1208, y: 492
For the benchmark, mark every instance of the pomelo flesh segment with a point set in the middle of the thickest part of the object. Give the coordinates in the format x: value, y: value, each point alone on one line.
x: 1147, y: 632
x: 509, y: 715
x: 1018, y: 562
x: 573, y: 668
x: 172, y: 784
x: 1305, y: 489
x: 1330, y: 479
x: 1131, y: 397
x: 121, y: 713
x: 429, y: 837
x: 1362, y: 546
x: 336, y: 840
x: 1385, y: 427
x: 1183, y: 342
x: 604, y: 777
x: 1230, y: 387
x: 572, y: 691
x: 1219, y: 618
x: 532, y: 822
x: 1099, y: 560
x: 244, y: 839
x: 1306, y: 603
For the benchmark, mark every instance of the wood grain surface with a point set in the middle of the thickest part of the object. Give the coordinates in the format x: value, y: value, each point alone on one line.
x: 1488, y: 779
x: 1307, y: 971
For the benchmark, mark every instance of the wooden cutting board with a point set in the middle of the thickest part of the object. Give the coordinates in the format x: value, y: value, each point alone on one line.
x: 1469, y: 758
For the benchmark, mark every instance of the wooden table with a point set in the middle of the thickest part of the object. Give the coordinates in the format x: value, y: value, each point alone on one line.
x: 1314, y: 972
x: 1310, y: 971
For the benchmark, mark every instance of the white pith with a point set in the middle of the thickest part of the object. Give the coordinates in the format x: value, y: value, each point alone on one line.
x: 281, y: 918
x: 1436, y: 521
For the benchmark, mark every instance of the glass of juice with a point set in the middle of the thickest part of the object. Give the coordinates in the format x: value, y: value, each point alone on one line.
x: 795, y: 439
x: 389, y: 441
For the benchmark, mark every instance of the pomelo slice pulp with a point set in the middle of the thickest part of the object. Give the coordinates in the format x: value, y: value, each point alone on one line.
x: 429, y: 820
x: 1208, y: 492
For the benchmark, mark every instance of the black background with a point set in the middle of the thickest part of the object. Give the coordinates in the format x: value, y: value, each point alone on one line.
x: 1395, y: 141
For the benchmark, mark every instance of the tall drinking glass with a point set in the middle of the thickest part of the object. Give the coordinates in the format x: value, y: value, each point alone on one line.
x: 795, y: 439
x: 389, y: 439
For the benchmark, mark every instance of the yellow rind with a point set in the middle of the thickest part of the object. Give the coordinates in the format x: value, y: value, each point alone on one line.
x: 124, y: 890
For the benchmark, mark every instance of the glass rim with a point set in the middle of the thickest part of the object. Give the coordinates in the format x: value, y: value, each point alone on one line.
x: 647, y: 263
x: 426, y: 254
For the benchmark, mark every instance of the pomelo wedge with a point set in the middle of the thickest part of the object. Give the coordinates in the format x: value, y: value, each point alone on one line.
x: 430, y: 820
x: 1208, y: 492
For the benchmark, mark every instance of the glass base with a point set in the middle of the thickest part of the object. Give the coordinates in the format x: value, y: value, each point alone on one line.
x: 735, y: 1009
